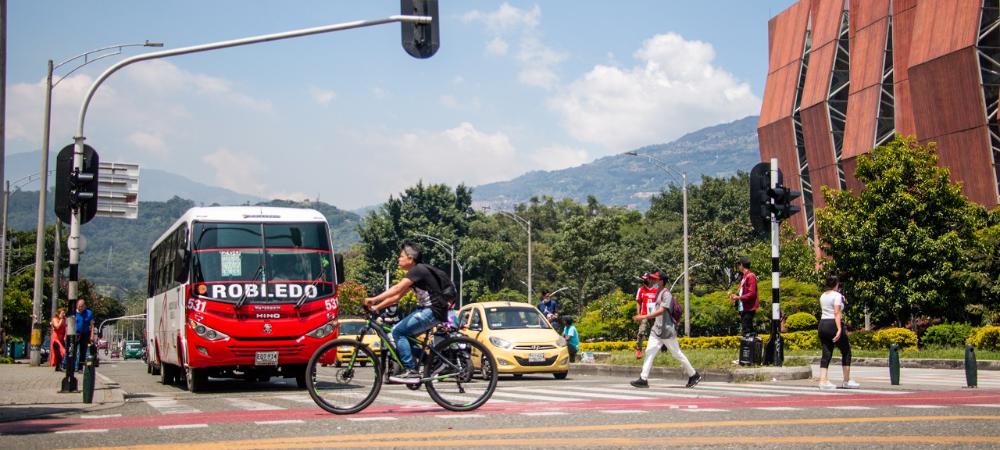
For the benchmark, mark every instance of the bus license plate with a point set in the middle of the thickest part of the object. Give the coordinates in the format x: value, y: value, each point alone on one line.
x: 536, y: 357
x: 266, y: 359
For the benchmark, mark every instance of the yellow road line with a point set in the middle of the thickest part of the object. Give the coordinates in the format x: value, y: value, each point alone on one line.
x: 455, y: 437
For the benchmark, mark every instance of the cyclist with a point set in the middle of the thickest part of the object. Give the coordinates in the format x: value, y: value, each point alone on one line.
x: 432, y: 308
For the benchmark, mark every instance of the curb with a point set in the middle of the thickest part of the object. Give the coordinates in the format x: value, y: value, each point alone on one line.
x: 724, y: 375
x: 917, y: 363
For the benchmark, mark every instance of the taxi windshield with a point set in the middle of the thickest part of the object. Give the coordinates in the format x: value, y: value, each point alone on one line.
x: 351, y: 328
x: 514, y: 317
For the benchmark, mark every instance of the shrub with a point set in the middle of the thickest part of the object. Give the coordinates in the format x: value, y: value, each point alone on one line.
x: 801, y: 321
x: 862, y: 340
x: 6, y: 360
x: 947, y: 335
x: 801, y: 340
x: 986, y: 338
x: 609, y: 317
x: 903, y: 337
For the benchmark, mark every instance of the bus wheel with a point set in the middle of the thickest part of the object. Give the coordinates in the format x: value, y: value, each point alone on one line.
x: 196, y: 379
x: 300, y: 378
x: 166, y: 374
x: 155, y: 368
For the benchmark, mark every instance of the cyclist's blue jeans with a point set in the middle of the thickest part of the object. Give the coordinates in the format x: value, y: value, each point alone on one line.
x: 417, y: 322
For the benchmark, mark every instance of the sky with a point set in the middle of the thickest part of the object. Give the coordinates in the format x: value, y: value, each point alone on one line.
x: 350, y: 118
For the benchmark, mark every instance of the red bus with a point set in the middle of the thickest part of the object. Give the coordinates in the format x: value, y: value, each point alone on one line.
x: 241, y: 292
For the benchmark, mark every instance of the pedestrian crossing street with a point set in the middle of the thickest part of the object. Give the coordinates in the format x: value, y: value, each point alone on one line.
x: 531, y: 393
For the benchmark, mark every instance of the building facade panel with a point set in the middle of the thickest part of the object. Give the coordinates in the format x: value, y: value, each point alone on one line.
x: 788, y: 37
x: 947, y: 96
x: 779, y: 95
x: 941, y: 27
x: 866, y: 12
x: 827, y: 177
x: 817, y: 85
x: 825, y: 21
x: 902, y: 34
x: 862, y: 112
x: 867, y: 52
x: 819, y: 143
x: 905, y: 122
x: 964, y: 153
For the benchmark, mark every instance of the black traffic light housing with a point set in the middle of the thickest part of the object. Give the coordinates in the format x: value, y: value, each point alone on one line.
x: 76, y: 189
x: 783, y: 197
x: 420, y: 40
x: 760, y: 202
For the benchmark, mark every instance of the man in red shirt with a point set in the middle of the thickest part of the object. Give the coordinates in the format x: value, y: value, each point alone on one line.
x: 745, y: 299
x: 645, y: 300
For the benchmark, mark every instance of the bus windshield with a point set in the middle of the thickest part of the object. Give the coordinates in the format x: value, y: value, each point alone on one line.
x: 265, y: 262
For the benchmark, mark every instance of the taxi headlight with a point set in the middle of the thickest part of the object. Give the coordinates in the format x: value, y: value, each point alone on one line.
x: 324, y: 330
x: 561, y: 342
x: 206, y: 332
x: 502, y: 343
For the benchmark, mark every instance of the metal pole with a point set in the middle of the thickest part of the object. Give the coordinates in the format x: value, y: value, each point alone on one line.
x: 3, y: 255
x: 461, y: 287
x: 775, y: 352
x: 74, y: 229
x: 531, y: 292
x: 56, y: 246
x: 36, y: 295
x: 3, y: 139
x: 687, y: 276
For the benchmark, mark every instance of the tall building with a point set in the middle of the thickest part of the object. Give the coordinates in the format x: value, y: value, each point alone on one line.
x: 845, y: 76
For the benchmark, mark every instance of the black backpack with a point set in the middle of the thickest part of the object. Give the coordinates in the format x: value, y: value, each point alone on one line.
x: 446, y: 292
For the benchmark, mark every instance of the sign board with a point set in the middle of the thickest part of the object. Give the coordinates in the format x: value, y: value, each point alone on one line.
x: 118, y: 195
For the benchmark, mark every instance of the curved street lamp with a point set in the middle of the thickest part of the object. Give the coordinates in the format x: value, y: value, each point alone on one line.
x: 526, y: 224
x: 87, y: 58
x: 451, y: 254
x: 687, y: 282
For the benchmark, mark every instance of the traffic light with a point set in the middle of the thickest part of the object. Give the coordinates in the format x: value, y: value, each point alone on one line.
x: 420, y: 40
x: 76, y: 189
x: 783, y: 197
x: 760, y: 202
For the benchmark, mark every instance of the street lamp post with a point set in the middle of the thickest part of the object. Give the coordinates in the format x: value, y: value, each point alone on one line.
x: 684, y: 190
x: 451, y: 254
x: 36, y: 299
x: 526, y: 223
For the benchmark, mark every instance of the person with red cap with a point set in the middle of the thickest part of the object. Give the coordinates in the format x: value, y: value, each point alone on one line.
x: 645, y: 300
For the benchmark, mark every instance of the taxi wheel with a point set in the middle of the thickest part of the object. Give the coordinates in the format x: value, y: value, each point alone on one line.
x: 363, y: 363
x: 518, y: 375
x: 560, y: 375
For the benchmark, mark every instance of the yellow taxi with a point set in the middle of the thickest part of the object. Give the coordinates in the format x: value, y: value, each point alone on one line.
x: 350, y: 329
x: 519, y: 337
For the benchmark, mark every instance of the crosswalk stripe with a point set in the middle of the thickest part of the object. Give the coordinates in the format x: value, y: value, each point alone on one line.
x: 91, y: 430
x: 668, y: 392
x: 623, y: 411
x: 798, y: 389
x: 635, y: 391
x: 921, y: 406
x: 740, y: 392
x: 778, y: 408
x: 580, y: 394
x: 102, y: 416
x: 298, y: 398
x: 279, y: 422
x: 705, y: 410
x: 251, y: 405
x: 183, y: 426
x: 850, y: 408
x: 165, y: 405
x: 371, y: 419
x: 545, y: 413
x: 536, y: 397
x: 459, y: 416
x: 985, y: 405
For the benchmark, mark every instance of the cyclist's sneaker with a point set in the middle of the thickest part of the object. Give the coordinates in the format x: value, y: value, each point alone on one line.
x: 850, y: 384
x: 640, y: 383
x: 409, y: 376
x: 694, y: 380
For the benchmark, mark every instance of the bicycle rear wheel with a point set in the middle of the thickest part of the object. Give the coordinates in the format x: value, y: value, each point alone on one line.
x: 337, y: 381
x: 450, y: 375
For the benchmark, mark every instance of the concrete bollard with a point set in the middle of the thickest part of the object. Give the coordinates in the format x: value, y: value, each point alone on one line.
x: 971, y: 374
x: 89, y: 373
x: 894, y: 364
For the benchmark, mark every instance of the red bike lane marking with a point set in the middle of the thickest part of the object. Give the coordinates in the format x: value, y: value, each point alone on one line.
x: 33, y: 426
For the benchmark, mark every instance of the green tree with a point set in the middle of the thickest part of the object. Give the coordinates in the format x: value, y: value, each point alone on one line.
x: 901, y: 243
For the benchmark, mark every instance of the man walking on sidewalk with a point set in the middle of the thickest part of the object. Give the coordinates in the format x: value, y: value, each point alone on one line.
x: 663, y: 333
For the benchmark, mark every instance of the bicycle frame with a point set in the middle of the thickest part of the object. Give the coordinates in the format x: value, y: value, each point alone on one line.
x: 387, y: 344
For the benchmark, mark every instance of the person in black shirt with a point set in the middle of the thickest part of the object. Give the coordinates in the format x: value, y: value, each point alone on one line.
x: 430, y: 310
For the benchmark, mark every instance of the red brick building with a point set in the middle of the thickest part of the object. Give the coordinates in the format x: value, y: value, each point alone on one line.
x: 844, y: 76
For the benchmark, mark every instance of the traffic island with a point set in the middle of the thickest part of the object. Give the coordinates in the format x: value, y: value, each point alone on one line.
x: 31, y: 392
x: 733, y: 375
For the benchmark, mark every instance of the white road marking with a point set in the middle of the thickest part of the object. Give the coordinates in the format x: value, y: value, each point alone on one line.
x: 459, y: 416
x: 985, y: 405
x: 165, y: 405
x: 251, y: 405
x: 639, y: 392
x: 536, y: 397
x: 545, y: 413
x: 278, y: 422
x: 300, y: 398
x: 371, y: 419
x: 778, y: 408
x: 850, y: 408
x: 706, y: 410
x: 623, y: 411
x: 578, y: 393
x: 921, y: 406
x: 183, y: 426
x: 105, y: 416
x: 94, y: 430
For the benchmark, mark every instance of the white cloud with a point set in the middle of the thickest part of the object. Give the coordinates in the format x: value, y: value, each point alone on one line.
x: 538, y: 63
x: 165, y: 77
x: 506, y: 17
x: 151, y: 142
x: 674, y: 89
x: 557, y: 157
x: 235, y: 171
x: 450, y: 101
x: 497, y: 46
x: 322, y: 96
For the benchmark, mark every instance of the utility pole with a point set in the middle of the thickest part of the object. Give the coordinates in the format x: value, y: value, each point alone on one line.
x: 3, y: 137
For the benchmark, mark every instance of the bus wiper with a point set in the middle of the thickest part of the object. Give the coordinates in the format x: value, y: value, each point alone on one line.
x: 243, y: 298
x: 302, y: 299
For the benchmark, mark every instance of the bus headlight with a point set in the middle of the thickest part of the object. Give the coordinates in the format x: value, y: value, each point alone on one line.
x: 323, y: 331
x: 206, y: 332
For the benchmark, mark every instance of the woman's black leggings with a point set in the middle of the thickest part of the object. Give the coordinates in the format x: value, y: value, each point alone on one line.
x: 827, y: 330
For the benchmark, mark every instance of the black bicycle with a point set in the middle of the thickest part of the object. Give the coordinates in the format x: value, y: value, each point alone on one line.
x: 344, y: 376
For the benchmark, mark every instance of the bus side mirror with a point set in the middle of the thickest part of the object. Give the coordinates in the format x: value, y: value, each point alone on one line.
x: 338, y: 267
x: 181, y: 265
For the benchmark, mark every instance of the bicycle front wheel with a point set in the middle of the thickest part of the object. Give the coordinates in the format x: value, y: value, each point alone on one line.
x: 450, y: 375
x: 338, y: 381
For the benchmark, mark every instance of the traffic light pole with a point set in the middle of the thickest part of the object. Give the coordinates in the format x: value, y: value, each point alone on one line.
x: 774, y: 352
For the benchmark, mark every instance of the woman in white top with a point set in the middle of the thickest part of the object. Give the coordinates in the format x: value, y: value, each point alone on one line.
x: 832, y: 332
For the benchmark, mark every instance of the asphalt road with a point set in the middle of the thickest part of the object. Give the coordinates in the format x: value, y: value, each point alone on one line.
x: 538, y: 412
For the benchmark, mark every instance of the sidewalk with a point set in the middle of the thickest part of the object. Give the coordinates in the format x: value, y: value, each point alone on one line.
x: 27, y: 392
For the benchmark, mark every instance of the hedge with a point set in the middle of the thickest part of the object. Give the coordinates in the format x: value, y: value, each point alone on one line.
x: 947, y: 335
x: 986, y: 338
x: 903, y: 337
x: 802, y: 340
x: 801, y: 321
